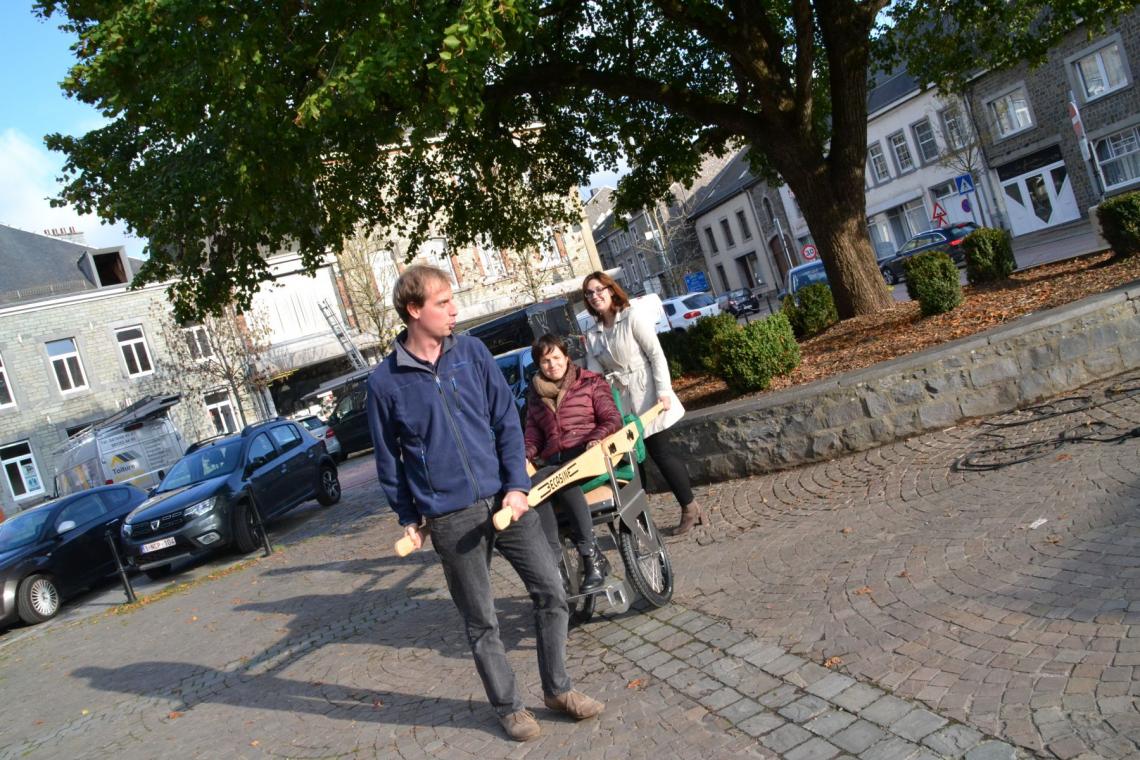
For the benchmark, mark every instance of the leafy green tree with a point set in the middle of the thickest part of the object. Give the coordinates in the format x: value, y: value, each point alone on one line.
x: 245, y: 126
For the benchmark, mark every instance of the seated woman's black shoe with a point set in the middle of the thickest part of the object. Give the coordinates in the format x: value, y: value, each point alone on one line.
x: 596, y: 568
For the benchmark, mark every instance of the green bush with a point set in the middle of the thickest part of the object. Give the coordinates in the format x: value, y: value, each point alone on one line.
x: 989, y: 255
x: 814, y: 313
x: 932, y: 280
x: 749, y: 357
x: 703, y: 336
x: 1120, y: 223
x: 676, y: 348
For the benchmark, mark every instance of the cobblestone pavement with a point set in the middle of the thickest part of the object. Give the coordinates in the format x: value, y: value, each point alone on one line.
x: 949, y: 626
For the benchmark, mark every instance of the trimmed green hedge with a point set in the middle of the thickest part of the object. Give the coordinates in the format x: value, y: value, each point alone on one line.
x: 814, y: 313
x: 1120, y: 223
x: 989, y: 255
x: 932, y: 280
x: 749, y: 357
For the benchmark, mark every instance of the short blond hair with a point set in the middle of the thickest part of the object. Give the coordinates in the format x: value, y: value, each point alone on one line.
x: 411, y: 287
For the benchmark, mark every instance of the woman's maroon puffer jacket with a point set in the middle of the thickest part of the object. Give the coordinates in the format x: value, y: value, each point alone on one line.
x: 587, y: 413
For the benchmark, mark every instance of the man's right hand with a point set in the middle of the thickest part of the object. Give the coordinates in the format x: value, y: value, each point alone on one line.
x: 414, y: 533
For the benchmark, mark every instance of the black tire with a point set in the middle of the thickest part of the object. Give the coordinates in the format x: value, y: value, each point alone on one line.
x: 157, y: 573
x: 647, y: 566
x: 582, y: 608
x: 328, y: 486
x: 246, y: 536
x: 37, y: 599
x: 889, y: 276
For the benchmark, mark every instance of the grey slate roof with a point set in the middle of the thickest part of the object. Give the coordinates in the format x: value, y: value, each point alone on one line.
x: 732, y: 179
x: 37, y: 266
x: 887, y: 87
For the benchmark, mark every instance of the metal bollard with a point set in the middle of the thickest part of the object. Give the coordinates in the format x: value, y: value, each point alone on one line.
x: 260, y: 524
x: 131, y: 598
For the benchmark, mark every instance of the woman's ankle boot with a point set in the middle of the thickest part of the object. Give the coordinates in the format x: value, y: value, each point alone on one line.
x: 691, y: 515
x: 596, y: 568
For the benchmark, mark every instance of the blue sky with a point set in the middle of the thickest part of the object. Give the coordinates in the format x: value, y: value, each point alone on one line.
x: 34, y: 57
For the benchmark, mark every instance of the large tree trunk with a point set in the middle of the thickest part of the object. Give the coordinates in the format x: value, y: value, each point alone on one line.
x: 838, y: 224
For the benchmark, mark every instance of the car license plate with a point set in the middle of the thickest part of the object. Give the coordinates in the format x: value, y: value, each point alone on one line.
x: 154, y: 546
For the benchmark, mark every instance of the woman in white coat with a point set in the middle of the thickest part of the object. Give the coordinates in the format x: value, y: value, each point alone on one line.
x: 623, y: 346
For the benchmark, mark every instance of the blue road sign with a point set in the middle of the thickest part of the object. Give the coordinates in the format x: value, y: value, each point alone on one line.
x: 696, y: 282
x: 965, y: 184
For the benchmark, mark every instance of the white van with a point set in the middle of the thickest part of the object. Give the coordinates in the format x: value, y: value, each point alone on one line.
x: 137, y: 445
x: 649, y: 301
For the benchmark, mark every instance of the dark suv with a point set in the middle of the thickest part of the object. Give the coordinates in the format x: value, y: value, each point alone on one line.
x: 204, y: 502
x: 946, y: 239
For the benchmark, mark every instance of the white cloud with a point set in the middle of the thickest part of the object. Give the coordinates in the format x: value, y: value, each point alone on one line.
x: 28, y: 173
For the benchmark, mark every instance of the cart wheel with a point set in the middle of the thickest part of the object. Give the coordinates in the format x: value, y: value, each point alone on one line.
x: 582, y: 608
x: 647, y: 564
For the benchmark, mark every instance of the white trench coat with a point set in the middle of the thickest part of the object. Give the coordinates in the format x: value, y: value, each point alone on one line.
x: 630, y: 357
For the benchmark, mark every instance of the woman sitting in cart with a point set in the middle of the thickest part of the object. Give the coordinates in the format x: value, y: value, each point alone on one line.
x: 568, y: 409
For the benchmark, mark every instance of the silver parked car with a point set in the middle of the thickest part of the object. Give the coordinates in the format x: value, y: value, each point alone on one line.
x: 322, y: 431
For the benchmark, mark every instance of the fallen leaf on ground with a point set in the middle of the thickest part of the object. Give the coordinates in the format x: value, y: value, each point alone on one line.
x: 833, y: 662
x: 254, y: 743
x: 862, y: 341
x: 1053, y: 538
x: 174, y: 715
x: 862, y: 591
x: 637, y: 683
x: 904, y: 574
x: 847, y: 531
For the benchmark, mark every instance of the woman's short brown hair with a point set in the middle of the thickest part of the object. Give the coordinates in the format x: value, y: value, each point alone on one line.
x: 412, y: 287
x: 617, y: 293
x: 546, y: 344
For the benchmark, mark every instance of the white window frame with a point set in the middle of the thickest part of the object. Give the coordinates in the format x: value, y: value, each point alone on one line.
x: 22, y: 462
x: 726, y: 228
x: 431, y: 250
x: 919, y: 142
x: 198, y: 339
x: 900, y: 152
x: 1096, y: 53
x: 1110, y: 156
x: 6, y: 387
x: 62, y: 361
x: 491, y: 260
x: 216, y: 407
x: 875, y: 156
x: 1008, y: 97
x: 136, y: 347
x: 954, y: 128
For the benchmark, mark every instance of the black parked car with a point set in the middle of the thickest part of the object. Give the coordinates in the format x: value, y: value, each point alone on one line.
x: 203, y: 503
x: 49, y: 552
x: 349, y: 418
x: 741, y: 301
x: 948, y: 239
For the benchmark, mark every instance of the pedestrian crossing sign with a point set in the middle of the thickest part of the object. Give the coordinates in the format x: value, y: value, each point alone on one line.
x: 965, y: 184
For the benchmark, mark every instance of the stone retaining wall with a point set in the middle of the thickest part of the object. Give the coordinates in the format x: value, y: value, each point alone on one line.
x: 1030, y: 359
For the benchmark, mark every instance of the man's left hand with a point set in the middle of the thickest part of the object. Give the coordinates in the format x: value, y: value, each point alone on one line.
x: 516, y: 502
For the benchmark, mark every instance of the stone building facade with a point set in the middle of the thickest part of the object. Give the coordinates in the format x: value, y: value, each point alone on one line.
x: 1044, y: 174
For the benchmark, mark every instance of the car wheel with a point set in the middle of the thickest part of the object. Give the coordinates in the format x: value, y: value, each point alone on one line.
x: 889, y: 276
x: 246, y: 537
x: 328, y: 487
x: 157, y: 573
x: 37, y: 599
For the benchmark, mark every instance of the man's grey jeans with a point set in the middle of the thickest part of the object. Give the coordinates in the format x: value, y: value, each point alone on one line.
x: 464, y: 540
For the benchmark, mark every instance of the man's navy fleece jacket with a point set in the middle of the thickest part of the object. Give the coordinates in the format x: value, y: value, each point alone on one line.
x: 444, y: 436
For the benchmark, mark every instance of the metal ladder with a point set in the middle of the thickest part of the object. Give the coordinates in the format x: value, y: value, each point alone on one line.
x: 354, y: 355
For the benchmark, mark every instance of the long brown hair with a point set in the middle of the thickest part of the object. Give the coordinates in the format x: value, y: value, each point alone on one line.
x: 618, y: 295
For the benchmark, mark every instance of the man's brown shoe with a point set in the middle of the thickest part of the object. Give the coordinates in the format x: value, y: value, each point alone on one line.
x: 575, y: 704
x: 521, y: 725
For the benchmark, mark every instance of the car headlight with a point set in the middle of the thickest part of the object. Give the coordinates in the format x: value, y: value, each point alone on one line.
x: 126, y: 529
x: 201, y: 508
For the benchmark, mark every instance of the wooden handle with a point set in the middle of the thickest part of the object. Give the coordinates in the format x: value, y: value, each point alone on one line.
x: 502, y: 518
